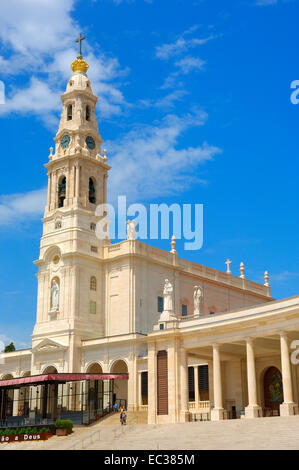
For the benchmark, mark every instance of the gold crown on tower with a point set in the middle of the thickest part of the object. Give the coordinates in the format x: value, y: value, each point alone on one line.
x: 79, y: 65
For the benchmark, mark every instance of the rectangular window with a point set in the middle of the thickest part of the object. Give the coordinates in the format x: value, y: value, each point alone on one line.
x: 93, y: 307
x: 160, y: 304
x: 184, y: 310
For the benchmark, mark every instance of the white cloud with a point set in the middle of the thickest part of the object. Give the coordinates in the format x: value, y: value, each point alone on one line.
x: 187, y: 64
x: 168, y: 101
x: 15, y: 208
x: 148, y: 163
x: 5, y: 340
x: 166, y: 51
x: 283, y: 276
x: 31, y: 26
x: 36, y: 99
x: 184, y: 66
x: 39, y: 40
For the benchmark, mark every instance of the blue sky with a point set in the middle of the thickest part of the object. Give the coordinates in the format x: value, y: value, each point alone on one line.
x: 200, y: 88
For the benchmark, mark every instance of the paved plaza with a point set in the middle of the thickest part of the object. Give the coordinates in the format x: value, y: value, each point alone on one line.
x: 263, y: 433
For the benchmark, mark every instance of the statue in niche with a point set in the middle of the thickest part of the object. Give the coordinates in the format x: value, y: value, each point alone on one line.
x: 54, y: 296
x: 79, y: 115
x: 77, y: 144
x: 168, y: 296
x: 197, y: 296
x: 131, y: 230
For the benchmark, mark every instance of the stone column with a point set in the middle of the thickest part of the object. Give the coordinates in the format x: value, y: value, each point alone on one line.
x: 77, y: 182
x: 16, y: 403
x: 173, y: 352
x: 105, y: 188
x: 139, y: 401
x: 49, y: 190
x: 67, y: 187
x: 197, y: 398
x: 288, y: 407
x: 253, y: 410
x: 184, y: 385
x: 217, y: 413
x: 54, y: 202
x: 132, y: 383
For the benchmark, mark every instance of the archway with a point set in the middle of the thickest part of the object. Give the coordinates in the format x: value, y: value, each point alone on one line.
x: 7, y: 377
x: 94, y: 368
x: 94, y: 395
x: 273, y: 390
x: 50, y: 370
x: 45, y: 396
x: 23, y: 398
x: 120, y: 394
x: 6, y: 399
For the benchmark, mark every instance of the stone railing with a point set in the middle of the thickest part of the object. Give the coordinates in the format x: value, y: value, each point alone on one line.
x: 142, y: 249
x: 200, y: 407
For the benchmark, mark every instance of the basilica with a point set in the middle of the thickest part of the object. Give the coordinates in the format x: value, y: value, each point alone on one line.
x: 132, y: 324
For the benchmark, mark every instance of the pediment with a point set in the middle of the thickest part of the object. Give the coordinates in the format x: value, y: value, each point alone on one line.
x: 49, y: 345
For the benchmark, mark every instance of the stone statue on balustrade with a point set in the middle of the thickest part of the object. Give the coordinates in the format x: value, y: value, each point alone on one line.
x: 168, y: 297
x: 131, y: 230
x: 197, y: 297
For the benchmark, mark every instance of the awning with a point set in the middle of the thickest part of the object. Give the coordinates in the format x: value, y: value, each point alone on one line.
x: 60, y: 378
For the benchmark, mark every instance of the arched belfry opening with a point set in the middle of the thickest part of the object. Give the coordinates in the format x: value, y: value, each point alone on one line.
x: 87, y: 113
x: 70, y: 112
x: 61, y: 191
x: 91, y: 191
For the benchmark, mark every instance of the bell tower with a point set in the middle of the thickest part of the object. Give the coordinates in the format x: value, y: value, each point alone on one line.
x: 70, y: 276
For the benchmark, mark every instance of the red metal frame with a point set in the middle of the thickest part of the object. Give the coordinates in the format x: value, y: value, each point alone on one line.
x: 36, y: 379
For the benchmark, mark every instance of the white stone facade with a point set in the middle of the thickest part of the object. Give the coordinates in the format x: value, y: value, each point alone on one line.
x: 108, y: 317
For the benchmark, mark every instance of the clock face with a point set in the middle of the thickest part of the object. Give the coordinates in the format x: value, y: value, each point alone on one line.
x: 65, y: 141
x: 90, y: 142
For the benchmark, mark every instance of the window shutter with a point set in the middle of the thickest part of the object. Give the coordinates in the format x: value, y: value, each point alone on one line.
x: 203, y: 376
x: 162, y: 383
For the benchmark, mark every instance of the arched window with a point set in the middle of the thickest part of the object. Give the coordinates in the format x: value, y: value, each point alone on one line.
x: 70, y: 112
x: 61, y: 191
x: 92, y: 192
x: 93, y: 283
x: 87, y: 115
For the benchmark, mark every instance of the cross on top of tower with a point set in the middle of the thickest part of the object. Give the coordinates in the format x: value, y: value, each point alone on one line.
x: 79, y: 41
x: 79, y: 65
